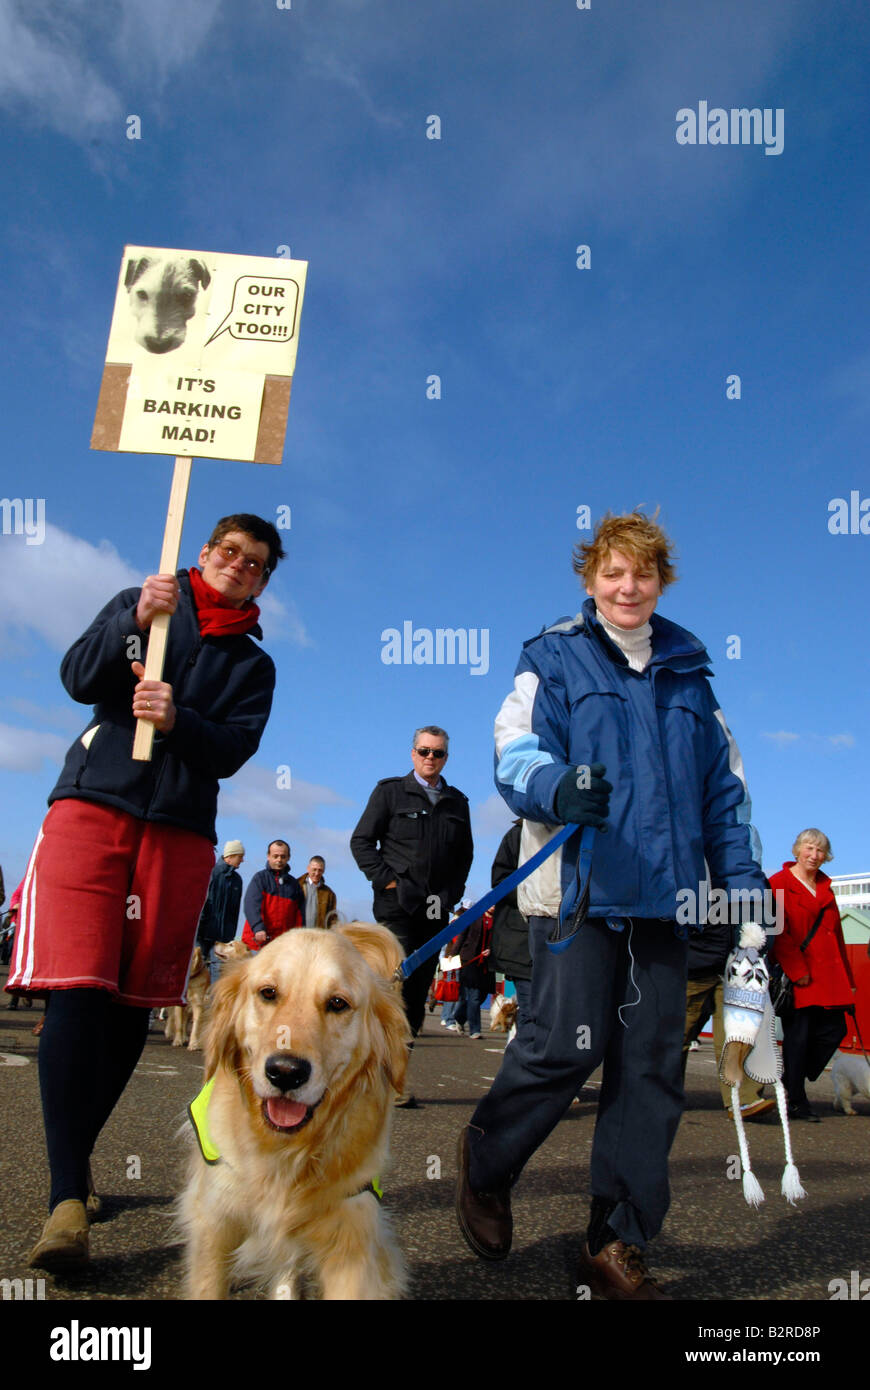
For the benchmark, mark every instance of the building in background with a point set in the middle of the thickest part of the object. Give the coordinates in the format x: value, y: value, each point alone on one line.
x: 851, y: 890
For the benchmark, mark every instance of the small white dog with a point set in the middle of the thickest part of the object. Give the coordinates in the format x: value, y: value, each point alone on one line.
x: 503, y: 1016
x: 849, y: 1074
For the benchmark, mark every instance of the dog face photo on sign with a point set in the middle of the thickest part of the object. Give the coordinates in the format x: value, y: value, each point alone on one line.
x: 162, y: 297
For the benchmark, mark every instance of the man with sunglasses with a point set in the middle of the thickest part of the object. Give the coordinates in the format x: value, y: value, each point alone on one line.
x: 121, y: 866
x: 414, y: 843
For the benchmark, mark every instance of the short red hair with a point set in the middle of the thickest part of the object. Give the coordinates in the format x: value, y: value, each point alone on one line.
x: 636, y: 536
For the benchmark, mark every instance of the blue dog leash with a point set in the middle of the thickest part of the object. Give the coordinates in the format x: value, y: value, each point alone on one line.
x: 575, y: 904
x: 572, y: 913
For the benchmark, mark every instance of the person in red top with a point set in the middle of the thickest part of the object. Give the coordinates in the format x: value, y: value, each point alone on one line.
x: 823, y: 983
x: 274, y: 901
x: 476, y: 977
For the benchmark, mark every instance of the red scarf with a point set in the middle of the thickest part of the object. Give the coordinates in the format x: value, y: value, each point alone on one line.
x: 217, y: 616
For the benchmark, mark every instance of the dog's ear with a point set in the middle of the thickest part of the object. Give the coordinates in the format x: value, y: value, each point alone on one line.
x: 392, y: 1048
x: 383, y: 953
x: 201, y: 271
x: 196, y: 961
x: 135, y: 269
x: 221, y: 1042
x: 378, y: 947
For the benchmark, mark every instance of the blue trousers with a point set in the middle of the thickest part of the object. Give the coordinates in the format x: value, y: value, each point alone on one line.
x: 613, y: 997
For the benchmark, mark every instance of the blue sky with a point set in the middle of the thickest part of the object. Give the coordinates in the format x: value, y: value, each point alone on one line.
x: 560, y: 387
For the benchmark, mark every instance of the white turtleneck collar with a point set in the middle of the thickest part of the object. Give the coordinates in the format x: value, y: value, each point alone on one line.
x: 634, y: 643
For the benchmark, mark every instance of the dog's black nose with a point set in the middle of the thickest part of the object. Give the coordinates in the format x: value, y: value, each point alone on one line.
x: 287, y: 1072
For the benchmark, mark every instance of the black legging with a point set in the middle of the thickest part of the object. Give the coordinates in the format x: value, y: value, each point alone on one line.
x: 810, y: 1037
x: 88, y: 1051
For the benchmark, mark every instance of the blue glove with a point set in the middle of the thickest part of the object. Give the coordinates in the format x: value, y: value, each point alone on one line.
x: 584, y: 805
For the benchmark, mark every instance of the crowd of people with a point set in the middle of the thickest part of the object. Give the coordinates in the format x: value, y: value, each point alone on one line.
x: 611, y: 726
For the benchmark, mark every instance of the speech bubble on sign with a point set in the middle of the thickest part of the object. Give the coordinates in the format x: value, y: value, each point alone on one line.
x: 264, y: 310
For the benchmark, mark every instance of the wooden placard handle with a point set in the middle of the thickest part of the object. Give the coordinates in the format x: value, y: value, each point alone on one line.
x: 155, y: 657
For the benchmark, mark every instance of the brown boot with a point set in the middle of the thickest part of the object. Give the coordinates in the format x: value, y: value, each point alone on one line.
x: 94, y: 1204
x: 484, y: 1217
x: 618, y: 1273
x: 64, y: 1240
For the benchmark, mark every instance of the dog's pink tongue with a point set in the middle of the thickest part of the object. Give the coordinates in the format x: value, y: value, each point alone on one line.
x: 285, y: 1113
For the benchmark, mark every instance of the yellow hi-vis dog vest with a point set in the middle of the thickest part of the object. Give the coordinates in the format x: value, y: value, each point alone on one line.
x: 198, y: 1114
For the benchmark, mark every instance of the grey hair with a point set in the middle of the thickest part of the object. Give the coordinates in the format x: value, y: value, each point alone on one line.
x: 816, y: 837
x: 432, y: 729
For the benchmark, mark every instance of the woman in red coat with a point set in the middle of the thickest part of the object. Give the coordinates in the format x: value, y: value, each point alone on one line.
x: 823, y: 984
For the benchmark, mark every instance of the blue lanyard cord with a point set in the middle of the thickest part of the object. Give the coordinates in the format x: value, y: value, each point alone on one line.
x: 577, y: 898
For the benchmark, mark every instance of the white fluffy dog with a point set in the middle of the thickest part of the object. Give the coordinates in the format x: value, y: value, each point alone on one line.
x: 850, y: 1073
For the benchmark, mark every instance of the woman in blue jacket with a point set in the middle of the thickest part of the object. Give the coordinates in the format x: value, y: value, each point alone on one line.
x: 620, y: 690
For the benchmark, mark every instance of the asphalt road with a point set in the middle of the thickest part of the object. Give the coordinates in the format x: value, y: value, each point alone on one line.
x: 713, y: 1246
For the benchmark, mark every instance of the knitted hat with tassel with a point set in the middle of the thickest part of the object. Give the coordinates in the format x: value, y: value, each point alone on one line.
x: 750, y: 1050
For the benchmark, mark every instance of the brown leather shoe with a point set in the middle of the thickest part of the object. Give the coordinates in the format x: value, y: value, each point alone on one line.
x: 618, y: 1273
x: 94, y: 1204
x: 64, y: 1240
x: 484, y: 1217
x: 755, y: 1109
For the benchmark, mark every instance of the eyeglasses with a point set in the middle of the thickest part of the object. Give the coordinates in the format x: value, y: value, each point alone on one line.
x: 232, y: 552
x: 431, y: 752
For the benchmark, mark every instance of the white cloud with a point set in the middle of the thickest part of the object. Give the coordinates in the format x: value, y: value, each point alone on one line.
x: 25, y: 750
x: 162, y: 34
x: 784, y: 739
x: 68, y: 717
x: 288, y: 812
x: 491, y: 817
x: 51, y: 55
x: 43, y: 73
x: 57, y: 588
x: 281, y: 621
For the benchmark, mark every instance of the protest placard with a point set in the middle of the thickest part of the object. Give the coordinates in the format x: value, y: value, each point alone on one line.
x: 200, y: 361
x: 201, y: 355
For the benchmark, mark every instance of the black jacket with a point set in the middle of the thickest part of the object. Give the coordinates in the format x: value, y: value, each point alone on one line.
x: 222, y: 688
x: 510, y: 930
x: 219, y: 919
x: 477, y: 970
x: 427, y: 849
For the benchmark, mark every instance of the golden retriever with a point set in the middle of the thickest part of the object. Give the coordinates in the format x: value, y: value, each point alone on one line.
x: 178, y: 1017
x: 231, y: 950
x: 306, y: 1042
